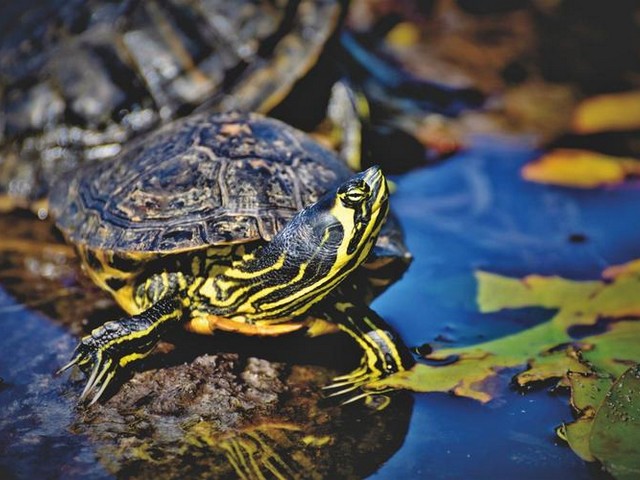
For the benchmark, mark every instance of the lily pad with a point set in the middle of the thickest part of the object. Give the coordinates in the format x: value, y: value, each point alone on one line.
x: 617, y: 349
x: 615, y: 435
x: 587, y: 394
x: 606, y: 429
x: 547, y: 350
x: 576, y: 434
x: 556, y: 364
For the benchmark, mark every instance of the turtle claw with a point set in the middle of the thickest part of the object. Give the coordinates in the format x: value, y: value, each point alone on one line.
x: 66, y: 367
x: 116, y: 344
x: 355, y: 386
x: 101, y: 375
x: 355, y: 382
x: 341, y: 378
x: 351, y: 383
x: 90, y: 355
x: 354, y: 379
x: 372, y: 398
x: 350, y: 386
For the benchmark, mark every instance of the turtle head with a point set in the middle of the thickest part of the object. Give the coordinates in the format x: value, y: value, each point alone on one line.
x: 340, y: 229
x: 360, y: 207
x: 331, y: 238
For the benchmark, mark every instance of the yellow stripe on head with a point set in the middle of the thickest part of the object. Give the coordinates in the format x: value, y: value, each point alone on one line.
x: 361, y: 206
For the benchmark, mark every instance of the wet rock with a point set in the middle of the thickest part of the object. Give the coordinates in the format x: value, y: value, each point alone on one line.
x: 227, y: 416
x: 211, y: 387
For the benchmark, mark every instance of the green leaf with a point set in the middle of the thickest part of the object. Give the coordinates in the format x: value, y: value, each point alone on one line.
x: 615, y: 435
x: 614, y: 350
x: 545, y: 351
x: 576, y: 434
x: 556, y: 364
x: 587, y: 394
x: 605, y: 429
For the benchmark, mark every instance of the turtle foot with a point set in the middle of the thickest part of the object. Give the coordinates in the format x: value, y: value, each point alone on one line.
x: 100, y: 354
x: 95, y: 355
x: 354, y: 386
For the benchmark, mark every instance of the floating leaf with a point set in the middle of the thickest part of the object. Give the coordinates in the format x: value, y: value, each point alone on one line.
x: 553, y: 365
x: 619, y: 111
x: 617, y: 349
x: 606, y: 429
x: 587, y: 394
x: 627, y: 269
x: 580, y: 168
x: 404, y: 34
x: 548, y: 348
x: 615, y: 435
x: 588, y: 391
x: 576, y: 434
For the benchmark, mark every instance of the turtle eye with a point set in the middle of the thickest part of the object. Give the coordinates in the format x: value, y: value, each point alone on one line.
x: 354, y: 193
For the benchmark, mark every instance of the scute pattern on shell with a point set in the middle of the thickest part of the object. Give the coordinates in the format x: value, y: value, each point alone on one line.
x: 205, y: 180
x: 79, y: 79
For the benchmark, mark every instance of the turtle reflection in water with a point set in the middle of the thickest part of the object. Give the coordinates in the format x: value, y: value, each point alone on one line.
x: 81, y: 78
x: 224, y: 416
x: 210, y: 223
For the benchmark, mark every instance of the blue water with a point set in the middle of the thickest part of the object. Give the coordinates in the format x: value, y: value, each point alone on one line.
x: 475, y: 212
x: 471, y: 212
x: 36, y: 408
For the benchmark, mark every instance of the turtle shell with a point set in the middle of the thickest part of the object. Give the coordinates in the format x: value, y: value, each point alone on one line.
x: 204, y: 180
x: 81, y: 78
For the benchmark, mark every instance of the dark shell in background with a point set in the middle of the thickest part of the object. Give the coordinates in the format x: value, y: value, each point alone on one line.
x: 79, y: 78
x: 204, y: 180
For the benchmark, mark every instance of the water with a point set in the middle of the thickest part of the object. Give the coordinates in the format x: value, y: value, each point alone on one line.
x: 475, y: 212
x: 472, y: 212
x: 35, y: 411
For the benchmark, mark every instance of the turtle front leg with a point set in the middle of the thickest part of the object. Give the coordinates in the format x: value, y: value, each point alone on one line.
x: 118, y: 343
x: 384, y: 351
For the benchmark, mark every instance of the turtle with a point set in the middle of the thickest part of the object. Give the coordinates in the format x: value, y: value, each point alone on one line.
x: 81, y: 78
x: 234, y: 222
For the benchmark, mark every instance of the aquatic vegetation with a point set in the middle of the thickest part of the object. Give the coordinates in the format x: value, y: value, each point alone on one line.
x: 607, y: 112
x: 607, y: 408
x: 591, y: 168
x: 580, y: 168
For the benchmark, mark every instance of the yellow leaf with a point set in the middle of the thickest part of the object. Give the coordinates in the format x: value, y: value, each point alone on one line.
x: 557, y: 364
x: 616, y: 111
x: 404, y: 34
x: 548, y: 349
x: 580, y: 168
x: 615, y: 271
